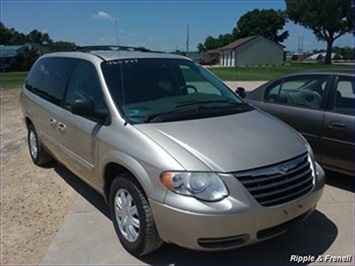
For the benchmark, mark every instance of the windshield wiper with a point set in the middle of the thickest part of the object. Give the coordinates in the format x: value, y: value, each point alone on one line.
x: 196, y: 111
x: 206, y: 102
x: 151, y: 117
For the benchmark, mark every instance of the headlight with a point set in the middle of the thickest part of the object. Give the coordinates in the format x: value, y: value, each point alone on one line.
x: 311, y: 159
x: 312, y: 165
x: 203, y: 186
x: 309, y: 150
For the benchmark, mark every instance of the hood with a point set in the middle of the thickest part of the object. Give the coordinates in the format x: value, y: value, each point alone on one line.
x: 228, y: 143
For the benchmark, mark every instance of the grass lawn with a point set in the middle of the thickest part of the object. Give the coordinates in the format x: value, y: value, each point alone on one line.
x: 267, y: 73
x: 16, y: 79
x: 12, y: 79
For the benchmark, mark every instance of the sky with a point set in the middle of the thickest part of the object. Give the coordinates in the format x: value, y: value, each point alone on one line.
x: 156, y: 25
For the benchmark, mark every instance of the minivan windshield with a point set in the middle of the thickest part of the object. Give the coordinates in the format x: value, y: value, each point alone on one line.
x: 159, y: 90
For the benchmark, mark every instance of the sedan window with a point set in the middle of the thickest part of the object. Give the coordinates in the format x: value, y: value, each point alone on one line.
x: 345, y: 96
x: 301, y: 91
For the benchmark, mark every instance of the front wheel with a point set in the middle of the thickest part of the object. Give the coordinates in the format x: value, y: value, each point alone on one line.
x: 132, y: 217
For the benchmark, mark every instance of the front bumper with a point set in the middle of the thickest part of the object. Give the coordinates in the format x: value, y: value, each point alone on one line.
x: 235, y: 221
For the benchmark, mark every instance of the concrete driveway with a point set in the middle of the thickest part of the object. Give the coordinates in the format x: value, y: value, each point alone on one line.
x: 87, y: 235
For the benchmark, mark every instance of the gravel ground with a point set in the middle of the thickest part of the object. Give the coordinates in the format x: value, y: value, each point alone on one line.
x: 34, y: 200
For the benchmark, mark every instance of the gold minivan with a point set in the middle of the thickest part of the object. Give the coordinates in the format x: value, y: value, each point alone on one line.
x: 178, y: 156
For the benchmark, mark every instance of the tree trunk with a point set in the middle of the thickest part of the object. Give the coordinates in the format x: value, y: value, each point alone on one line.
x: 328, y: 56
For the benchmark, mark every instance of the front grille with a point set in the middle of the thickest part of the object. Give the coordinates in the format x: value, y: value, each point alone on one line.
x: 280, y: 183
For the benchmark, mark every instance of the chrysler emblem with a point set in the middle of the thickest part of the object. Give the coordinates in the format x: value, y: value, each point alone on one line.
x: 283, y: 169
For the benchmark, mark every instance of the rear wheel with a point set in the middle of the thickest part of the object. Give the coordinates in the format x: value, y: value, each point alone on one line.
x: 38, y: 155
x: 132, y: 217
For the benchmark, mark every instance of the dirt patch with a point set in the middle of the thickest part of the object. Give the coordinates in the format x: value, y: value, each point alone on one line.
x: 34, y: 200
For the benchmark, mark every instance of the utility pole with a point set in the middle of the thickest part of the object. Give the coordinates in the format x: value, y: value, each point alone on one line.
x: 300, y: 44
x: 187, y: 39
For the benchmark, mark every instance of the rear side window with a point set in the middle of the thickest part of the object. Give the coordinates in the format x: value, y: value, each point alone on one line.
x: 345, y: 96
x: 33, y: 82
x: 48, y: 78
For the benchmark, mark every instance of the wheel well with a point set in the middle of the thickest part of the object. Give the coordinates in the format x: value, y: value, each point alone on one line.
x: 111, y: 172
x: 28, y: 122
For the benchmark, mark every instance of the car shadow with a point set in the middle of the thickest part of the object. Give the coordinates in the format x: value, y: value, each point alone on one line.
x: 90, y: 194
x: 312, y: 237
x: 341, y: 181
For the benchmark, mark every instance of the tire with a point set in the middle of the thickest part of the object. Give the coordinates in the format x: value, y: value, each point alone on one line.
x: 139, y: 236
x: 38, y: 155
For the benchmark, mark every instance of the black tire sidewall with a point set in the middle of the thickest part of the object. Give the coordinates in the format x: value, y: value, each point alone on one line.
x: 136, y: 247
x: 34, y: 159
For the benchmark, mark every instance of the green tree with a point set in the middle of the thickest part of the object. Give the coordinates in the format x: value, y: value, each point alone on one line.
x: 11, y: 36
x: 26, y: 59
x: 201, y: 48
x: 265, y: 22
x: 214, y: 43
x: 60, y: 45
x: 347, y: 53
x: 36, y: 36
x: 327, y: 19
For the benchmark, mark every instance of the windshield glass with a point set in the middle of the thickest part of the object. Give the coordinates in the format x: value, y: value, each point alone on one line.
x: 158, y: 90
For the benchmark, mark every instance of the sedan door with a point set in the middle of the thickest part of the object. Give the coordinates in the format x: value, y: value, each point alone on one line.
x: 299, y: 101
x: 337, y: 142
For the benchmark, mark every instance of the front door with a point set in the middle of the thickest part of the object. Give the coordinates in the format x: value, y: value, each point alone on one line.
x: 338, y: 130
x: 298, y: 101
x: 78, y: 135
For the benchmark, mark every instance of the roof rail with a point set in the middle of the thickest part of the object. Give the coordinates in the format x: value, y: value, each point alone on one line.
x: 114, y: 48
x: 91, y: 48
x: 111, y: 48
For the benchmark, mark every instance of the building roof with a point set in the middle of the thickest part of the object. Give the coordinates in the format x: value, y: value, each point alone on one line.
x: 9, y: 50
x: 238, y: 42
x: 213, y: 51
x: 242, y: 41
x: 315, y: 56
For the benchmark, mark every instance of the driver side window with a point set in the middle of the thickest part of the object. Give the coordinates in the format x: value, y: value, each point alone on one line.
x: 193, y: 80
x: 84, y: 84
x: 301, y: 91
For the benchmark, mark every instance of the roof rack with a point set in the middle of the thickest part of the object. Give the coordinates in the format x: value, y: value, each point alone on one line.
x: 111, y: 48
x: 91, y: 48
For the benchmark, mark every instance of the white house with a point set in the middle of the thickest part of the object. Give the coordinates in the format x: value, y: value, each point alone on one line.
x: 253, y: 50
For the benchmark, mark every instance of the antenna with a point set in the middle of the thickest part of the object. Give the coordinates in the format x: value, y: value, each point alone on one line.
x: 121, y: 73
x: 187, y: 39
x: 116, y: 31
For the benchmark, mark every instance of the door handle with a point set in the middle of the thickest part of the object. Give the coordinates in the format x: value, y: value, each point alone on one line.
x: 52, y: 121
x: 61, y: 127
x: 336, y: 125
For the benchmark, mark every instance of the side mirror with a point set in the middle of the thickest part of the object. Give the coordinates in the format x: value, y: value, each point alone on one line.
x: 86, y: 108
x: 83, y: 108
x: 241, y: 92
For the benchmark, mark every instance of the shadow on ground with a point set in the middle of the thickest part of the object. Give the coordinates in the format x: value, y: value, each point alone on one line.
x: 312, y: 237
x: 341, y: 181
x: 91, y: 195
